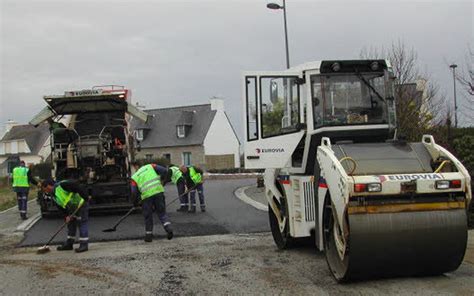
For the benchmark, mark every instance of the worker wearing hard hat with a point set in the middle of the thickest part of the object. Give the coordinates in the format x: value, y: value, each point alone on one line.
x: 194, y: 180
x: 176, y: 177
x: 148, y: 186
x: 21, y: 185
x: 72, y: 199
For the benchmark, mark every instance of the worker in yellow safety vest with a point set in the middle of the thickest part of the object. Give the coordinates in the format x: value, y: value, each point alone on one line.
x: 177, y: 178
x: 72, y: 199
x: 194, y: 180
x: 147, y: 186
x: 21, y: 186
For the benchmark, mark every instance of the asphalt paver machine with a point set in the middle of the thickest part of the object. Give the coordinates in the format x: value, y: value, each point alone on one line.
x: 325, y: 132
x: 91, y: 142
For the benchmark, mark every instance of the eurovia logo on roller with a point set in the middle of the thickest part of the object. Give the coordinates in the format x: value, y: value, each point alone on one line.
x: 270, y: 150
x: 410, y: 177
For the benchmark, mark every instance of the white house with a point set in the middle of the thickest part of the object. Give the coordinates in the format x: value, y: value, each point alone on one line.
x: 29, y: 143
x: 200, y: 135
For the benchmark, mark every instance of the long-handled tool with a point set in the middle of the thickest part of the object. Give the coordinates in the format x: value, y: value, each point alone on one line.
x: 120, y: 220
x: 183, y: 194
x: 45, y: 249
x: 114, y: 228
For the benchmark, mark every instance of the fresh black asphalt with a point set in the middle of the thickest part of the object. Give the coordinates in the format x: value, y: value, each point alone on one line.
x: 225, y: 214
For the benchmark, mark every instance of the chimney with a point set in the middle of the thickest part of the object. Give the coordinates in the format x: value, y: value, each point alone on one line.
x: 10, y: 123
x: 217, y: 104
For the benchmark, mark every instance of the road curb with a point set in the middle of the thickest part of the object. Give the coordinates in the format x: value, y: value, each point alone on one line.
x: 240, y: 194
x: 25, y: 226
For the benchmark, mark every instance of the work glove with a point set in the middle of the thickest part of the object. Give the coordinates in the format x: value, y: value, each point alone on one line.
x: 69, y: 218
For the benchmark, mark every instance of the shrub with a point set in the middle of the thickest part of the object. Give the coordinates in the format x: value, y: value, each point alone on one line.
x: 160, y: 161
x: 464, y: 147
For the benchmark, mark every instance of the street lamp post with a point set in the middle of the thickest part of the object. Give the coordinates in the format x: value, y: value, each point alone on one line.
x: 454, y: 66
x: 276, y: 7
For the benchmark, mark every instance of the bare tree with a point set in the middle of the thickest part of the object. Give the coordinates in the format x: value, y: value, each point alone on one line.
x: 418, y: 102
x: 465, y: 77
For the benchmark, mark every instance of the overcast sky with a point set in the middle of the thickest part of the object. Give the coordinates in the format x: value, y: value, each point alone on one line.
x: 184, y: 52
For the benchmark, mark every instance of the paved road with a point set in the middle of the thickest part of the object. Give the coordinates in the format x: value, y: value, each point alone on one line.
x: 225, y: 214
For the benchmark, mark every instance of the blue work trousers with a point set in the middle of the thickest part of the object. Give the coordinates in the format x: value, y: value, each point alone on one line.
x: 200, y: 190
x: 155, y: 203
x: 80, y: 221
x: 183, y: 199
x: 22, y: 198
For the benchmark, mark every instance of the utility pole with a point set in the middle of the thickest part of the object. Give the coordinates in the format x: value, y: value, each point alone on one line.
x: 454, y: 66
x: 276, y: 6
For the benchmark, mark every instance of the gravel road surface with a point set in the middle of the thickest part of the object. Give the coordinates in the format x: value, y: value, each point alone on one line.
x: 205, y: 265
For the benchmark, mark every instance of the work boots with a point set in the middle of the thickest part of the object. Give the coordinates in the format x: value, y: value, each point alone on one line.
x: 182, y: 209
x: 82, y: 248
x: 169, y: 232
x: 192, y: 209
x: 67, y: 246
x: 203, y: 209
x: 148, y: 237
x: 23, y: 217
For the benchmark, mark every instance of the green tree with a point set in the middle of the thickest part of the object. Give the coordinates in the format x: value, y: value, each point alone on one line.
x: 271, y: 118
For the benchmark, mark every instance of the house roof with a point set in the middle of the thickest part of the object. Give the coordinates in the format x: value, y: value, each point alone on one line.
x: 162, y: 126
x: 35, y: 137
x: 186, y: 118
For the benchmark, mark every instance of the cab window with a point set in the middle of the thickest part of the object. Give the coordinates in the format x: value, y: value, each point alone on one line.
x: 279, y: 109
x: 251, y: 106
x: 348, y: 99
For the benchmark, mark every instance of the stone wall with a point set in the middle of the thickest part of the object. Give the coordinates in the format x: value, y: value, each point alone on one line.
x: 225, y: 161
x: 176, y: 154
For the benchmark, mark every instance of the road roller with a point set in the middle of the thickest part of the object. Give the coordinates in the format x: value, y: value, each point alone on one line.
x: 337, y: 171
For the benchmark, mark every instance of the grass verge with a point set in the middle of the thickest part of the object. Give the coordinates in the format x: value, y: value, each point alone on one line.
x: 8, y: 197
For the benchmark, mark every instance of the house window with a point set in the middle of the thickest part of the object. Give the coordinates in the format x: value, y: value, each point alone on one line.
x: 139, y: 135
x: 14, y: 147
x: 167, y: 156
x: 149, y: 157
x: 187, y: 158
x: 8, y: 148
x: 11, y: 166
x: 181, y: 131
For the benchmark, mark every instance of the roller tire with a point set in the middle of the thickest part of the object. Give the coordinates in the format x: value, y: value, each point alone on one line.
x: 283, y: 240
x: 339, y: 268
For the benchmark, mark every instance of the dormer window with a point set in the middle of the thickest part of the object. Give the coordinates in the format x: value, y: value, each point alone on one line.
x: 181, y: 131
x: 139, y: 134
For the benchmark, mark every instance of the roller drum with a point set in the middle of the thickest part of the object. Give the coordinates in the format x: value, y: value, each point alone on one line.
x: 401, y: 244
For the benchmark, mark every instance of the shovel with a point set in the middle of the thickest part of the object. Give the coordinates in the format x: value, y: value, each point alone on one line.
x: 45, y: 249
